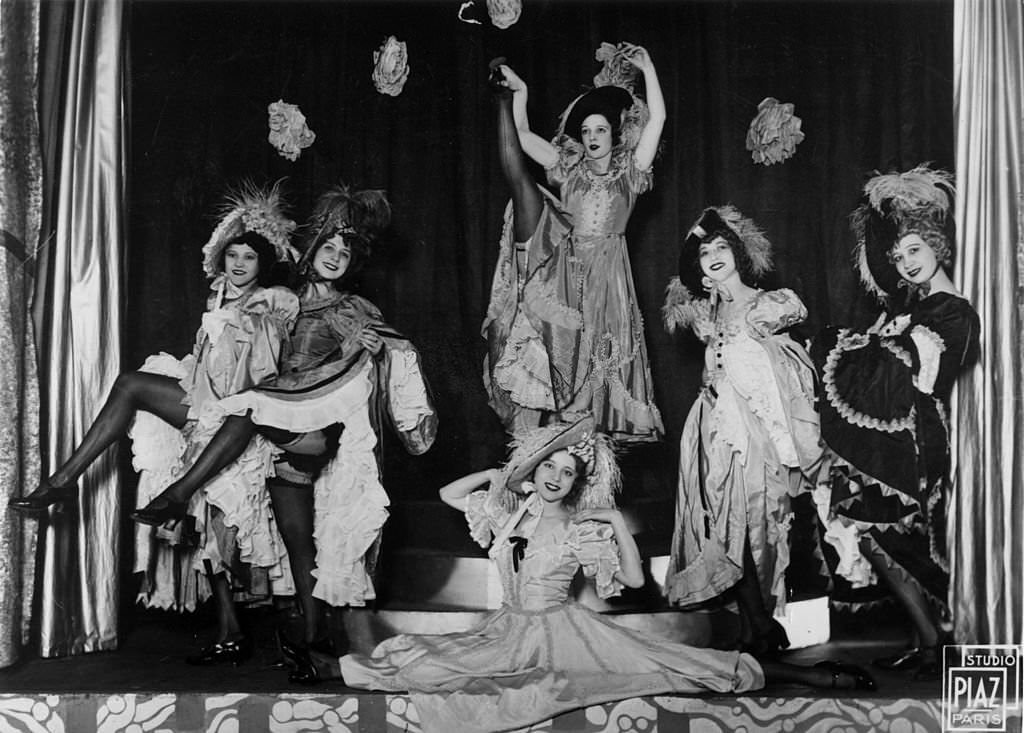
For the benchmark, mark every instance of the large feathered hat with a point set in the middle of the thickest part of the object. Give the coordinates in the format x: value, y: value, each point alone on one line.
x: 359, y: 215
x: 751, y: 248
x: 249, y: 208
x: 896, y: 204
x: 594, y: 449
x: 612, y: 96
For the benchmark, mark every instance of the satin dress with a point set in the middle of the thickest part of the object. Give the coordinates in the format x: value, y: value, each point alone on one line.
x: 540, y: 654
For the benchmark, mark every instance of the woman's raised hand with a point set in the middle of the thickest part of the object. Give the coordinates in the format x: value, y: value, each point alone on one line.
x: 638, y: 56
x: 511, y: 79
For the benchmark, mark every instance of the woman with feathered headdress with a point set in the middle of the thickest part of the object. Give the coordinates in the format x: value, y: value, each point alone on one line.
x: 168, y: 408
x: 751, y: 442
x: 345, y: 370
x: 883, y: 409
x: 564, y: 331
x: 547, y: 514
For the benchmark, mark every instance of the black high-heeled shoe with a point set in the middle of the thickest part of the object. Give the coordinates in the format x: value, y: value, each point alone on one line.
x: 230, y: 651
x: 930, y: 666
x: 496, y: 79
x: 861, y: 679
x: 160, y: 510
x: 39, y: 500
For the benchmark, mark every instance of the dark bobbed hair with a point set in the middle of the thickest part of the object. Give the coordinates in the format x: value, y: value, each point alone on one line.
x: 610, y: 101
x: 712, y: 224
x: 268, y: 273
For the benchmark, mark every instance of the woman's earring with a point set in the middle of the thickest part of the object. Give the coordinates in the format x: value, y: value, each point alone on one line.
x: 706, y: 282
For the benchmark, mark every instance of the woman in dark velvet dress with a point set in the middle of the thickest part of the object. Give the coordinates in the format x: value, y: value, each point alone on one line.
x: 885, y: 394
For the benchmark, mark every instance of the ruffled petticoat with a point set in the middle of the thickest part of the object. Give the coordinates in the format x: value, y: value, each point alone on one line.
x: 350, y: 502
x: 520, y: 667
x: 572, y: 325
x: 244, y: 531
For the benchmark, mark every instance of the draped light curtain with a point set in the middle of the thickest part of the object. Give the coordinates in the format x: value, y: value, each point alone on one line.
x: 20, y: 204
x: 78, y: 309
x: 988, y: 412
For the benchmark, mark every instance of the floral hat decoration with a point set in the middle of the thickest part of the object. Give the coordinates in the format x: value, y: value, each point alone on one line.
x: 613, y: 96
x: 579, y: 438
x: 752, y: 251
x: 919, y: 201
x: 249, y: 208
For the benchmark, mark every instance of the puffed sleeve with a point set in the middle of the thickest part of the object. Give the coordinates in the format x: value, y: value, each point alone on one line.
x: 409, y: 404
x: 485, y: 516
x: 267, y: 319
x: 775, y: 311
x: 593, y: 544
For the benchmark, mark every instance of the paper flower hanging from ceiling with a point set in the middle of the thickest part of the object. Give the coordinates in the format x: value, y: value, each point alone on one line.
x: 390, y: 67
x: 504, y: 13
x: 288, y: 131
x: 774, y: 132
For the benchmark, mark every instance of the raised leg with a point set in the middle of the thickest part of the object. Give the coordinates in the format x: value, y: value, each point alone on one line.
x: 131, y: 392
x: 526, y: 198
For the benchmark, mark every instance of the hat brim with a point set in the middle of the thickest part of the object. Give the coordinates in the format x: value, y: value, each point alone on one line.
x: 521, y: 467
x: 609, y: 101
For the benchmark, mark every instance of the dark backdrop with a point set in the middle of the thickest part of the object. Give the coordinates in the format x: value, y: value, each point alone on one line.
x: 872, y: 83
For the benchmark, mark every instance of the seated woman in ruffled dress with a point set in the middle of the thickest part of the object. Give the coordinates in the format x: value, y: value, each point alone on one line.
x: 564, y: 331
x: 883, y: 412
x: 549, y: 513
x: 751, y: 441
x: 242, y: 336
x: 346, y: 369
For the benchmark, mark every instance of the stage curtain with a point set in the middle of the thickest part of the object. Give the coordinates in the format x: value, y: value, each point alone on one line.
x: 79, y: 310
x: 988, y: 524
x: 20, y: 203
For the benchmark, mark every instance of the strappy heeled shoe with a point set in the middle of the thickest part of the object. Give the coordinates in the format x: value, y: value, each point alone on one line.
x: 39, y: 500
x: 230, y: 651
x: 861, y: 679
x: 160, y: 510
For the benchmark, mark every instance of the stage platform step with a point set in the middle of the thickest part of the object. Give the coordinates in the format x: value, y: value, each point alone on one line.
x: 256, y: 712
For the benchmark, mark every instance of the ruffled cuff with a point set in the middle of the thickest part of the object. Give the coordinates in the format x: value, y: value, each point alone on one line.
x: 929, y: 347
x: 485, y: 516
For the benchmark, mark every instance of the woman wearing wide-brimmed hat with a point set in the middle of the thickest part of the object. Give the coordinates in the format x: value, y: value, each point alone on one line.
x: 884, y: 410
x: 564, y: 332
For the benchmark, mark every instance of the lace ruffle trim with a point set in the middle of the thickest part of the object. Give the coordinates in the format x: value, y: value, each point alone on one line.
x: 849, y: 341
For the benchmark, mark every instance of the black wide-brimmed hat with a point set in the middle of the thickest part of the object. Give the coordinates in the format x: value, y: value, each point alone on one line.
x: 894, y: 204
x: 610, y: 101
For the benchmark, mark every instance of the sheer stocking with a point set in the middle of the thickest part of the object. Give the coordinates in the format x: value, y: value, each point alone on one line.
x: 526, y: 198
x: 293, y: 511
x: 131, y: 392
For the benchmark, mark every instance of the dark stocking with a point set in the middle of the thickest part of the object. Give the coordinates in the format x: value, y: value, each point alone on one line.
x: 228, y: 626
x: 293, y: 511
x: 748, y: 596
x: 526, y: 198
x: 131, y: 392
x: 908, y: 594
x: 227, y: 445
